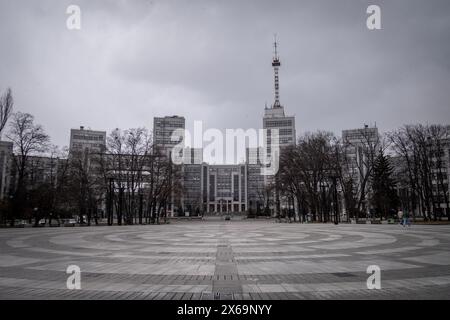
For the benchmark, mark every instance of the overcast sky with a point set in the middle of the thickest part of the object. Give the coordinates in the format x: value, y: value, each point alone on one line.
x: 211, y: 61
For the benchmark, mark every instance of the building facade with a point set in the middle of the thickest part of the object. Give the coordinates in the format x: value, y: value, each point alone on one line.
x: 6, y: 163
x: 224, y: 188
x: 212, y: 189
x: 87, y: 141
x: 361, y: 147
x: 358, y: 145
x: 163, y: 129
x: 280, y: 133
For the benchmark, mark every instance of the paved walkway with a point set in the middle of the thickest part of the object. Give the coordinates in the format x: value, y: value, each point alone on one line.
x: 226, y: 260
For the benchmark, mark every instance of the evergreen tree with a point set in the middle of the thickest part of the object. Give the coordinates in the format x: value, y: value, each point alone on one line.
x: 384, y: 196
x: 258, y: 210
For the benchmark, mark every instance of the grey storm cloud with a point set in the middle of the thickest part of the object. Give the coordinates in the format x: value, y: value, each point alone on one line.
x: 211, y: 61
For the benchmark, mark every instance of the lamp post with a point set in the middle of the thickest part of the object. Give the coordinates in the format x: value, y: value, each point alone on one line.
x: 322, y: 188
x: 335, y: 200
x: 110, y: 202
x: 35, y: 213
x: 10, y: 209
x: 141, y: 206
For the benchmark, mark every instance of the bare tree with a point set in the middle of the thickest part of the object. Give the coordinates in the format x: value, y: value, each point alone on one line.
x: 84, y: 182
x: 128, y: 175
x: 264, y: 193
x: 137, y: 145
x: 28, y: 139
x: 344, y: 169
x: 421, y: 149
x: 116, y: 149
x: 6, y: 107
x: 304, y: 174
x: 59, y: 188
x: 359, y: 158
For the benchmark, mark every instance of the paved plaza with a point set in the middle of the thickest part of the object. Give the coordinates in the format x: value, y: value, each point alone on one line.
x: 226, y: 260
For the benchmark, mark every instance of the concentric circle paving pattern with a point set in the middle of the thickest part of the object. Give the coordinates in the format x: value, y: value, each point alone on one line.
x: 226, y: 260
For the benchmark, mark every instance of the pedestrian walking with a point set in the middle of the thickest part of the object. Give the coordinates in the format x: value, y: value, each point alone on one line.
x: 406, y: 221
x: 409, y: 220
x: 400, y: 216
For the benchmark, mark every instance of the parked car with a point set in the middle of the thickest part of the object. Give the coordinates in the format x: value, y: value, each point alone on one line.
x: 227, y: 217
x: 19, y: 223
x: 84, y: 220
x: 70, y: 223
x: 41, y: 223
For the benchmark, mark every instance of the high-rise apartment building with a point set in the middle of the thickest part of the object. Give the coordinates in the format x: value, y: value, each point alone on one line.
x: 361, y: 146
x: 357, y: 142
x: 163, y: 129
x: 274, y: 119
x: 87, y: 141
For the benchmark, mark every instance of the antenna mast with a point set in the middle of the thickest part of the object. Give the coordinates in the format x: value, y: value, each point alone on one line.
x: 276, y: 64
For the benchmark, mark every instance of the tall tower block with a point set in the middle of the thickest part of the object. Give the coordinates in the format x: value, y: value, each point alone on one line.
x: 274, y: 117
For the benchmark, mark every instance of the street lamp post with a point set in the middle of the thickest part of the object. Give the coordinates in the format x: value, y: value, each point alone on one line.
x: 110, y: 202
x: 322, y: 187
x: 36, y: 221
x: 335, y: 200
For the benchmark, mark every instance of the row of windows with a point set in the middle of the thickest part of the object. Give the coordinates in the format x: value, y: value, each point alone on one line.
x: 285, y: 139
x: 167, y: 141
x: 166, y: 133
x: 169, y: 124
x: 278, y: 123
x: 88, y: 137
x: 91, y: 145
x: 360, y: 136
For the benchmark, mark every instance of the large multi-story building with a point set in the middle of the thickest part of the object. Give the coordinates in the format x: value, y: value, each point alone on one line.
x: 163, y: 129
x: 274, y: 119
x: 215, y: 188
x: 41, y: 171
x: 191, y: 200
x: 256, y: 181
x: 193, y: 155
x: 206, y: 188
x: 436, y: 169
x: 359, y: 143
x: 165, y: 139
x: 87, y: 141
x: 191, y: 181
x: 440, y: 172
x: 224, y: 188
x: 6, y: 158
x: 361, y: 147
x: 86, y: 146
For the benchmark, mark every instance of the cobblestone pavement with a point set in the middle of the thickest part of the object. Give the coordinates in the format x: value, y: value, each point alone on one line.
x: 226, y: 260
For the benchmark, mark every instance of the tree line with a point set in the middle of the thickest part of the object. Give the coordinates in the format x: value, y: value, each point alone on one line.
x: 133, y: 177
x: 132, y: 181
x: 374, y: 175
